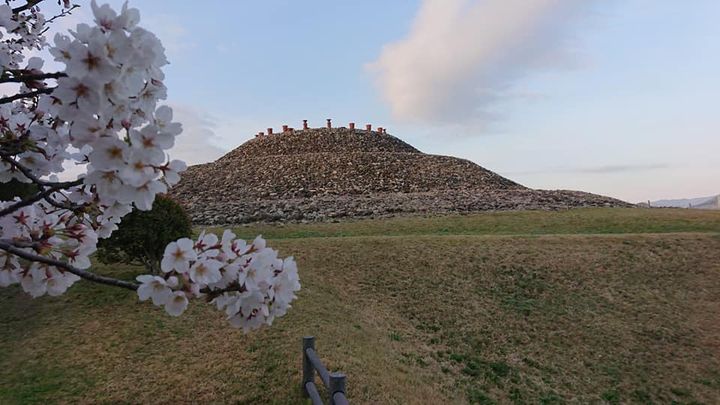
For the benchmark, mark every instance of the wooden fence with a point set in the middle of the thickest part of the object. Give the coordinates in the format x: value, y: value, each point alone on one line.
x: 334, y: 382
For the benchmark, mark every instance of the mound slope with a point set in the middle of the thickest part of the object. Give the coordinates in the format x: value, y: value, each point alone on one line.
x: 317, y: 174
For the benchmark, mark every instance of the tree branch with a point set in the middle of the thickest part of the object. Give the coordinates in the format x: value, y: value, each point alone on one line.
x: 59, y: 205
x: 30, y: 4
x: 32, y: 77
x: 46, y: 189
x: 41, y: 183
x: 11, y: 248
x: 28, y: 201
x: 62, y: 14
x: 19, y: 96
x: 212, y: 294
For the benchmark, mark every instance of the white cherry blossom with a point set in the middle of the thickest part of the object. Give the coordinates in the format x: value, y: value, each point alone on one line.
x: 163, y: 121
x: 9, y: 269
x: 176, y: 304
x: 6, y: 20
x: 155, y: 288
x: 109, y: 153
x: 58, y: 282
x: 178, y: 255
x: 172, y: 171
x: 205, y: 271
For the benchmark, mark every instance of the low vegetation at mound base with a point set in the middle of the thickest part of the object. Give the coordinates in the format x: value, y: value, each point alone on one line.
x: 589, y: 306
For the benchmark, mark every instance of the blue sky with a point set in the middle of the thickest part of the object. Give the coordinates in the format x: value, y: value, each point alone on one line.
x: 612, y: 97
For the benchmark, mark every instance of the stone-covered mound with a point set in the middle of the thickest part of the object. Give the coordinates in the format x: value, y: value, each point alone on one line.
x: 321, y: 174
x: 319, y: 140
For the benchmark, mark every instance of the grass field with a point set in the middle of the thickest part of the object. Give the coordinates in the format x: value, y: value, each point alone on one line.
x: 582, y: 306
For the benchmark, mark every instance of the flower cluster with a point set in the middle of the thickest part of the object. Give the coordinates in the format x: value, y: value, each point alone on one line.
x: 57, y: 236
x: 112, y: 88
x: 103, y: 115
x: 23, y: 32
x: 246, y: 281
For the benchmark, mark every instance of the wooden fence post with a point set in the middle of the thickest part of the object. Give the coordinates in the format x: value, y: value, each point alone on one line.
x: 308, y: 370
x: 337, y: 385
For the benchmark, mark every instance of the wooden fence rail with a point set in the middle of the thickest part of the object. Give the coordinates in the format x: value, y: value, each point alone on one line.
x: 334, y: 382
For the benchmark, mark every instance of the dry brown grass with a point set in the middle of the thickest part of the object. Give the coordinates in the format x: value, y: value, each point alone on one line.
x: 410, y: 319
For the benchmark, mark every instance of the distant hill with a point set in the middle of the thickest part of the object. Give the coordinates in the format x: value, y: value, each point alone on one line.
x: 712, y: 203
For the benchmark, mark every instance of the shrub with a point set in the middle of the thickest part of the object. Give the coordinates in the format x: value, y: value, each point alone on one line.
x: 14, y: 188
x: 142, y: 236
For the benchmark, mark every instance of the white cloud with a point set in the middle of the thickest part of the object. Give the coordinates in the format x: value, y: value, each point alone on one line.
x: 462, y: 57
x: 199, y: 141
x: 174, y: 36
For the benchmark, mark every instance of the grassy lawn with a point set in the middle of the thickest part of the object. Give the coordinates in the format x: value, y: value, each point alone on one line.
x: 577, y: 221
x: 583, y: 306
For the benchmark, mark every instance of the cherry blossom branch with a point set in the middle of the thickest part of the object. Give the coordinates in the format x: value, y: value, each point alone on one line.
x: 40, y: 183
x: 18, y: 251
x: 32, y: 77
x: 30, y: 4
x: 44, y: 195
x: 250, y: 284
x: 30, y: 94
x: 59, y: 205
x: 46, y: 189
x: 62, y: 14
x: 11, y: 248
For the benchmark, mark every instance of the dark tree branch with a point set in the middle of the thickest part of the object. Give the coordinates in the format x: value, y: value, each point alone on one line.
x: 19, y: 96
x: 40, y: 183
x: 62, y: 14
x: 11, y: 248
x: 30, y: 4
x: 212, y: 294
x: 46, y: 189
x: 32, y: 77
x: 28, y: 201
x: 59, y: 205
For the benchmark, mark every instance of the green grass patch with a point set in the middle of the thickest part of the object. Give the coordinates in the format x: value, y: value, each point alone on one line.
x: 576, y: 221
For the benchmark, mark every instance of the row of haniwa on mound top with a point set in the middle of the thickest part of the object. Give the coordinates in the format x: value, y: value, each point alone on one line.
x: 287, y: 129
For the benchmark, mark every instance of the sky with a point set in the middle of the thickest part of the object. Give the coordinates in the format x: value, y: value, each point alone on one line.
x: 615, y: 97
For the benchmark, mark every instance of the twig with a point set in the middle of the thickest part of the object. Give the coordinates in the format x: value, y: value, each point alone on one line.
x: 28, y: 201
x: 30, y: 4
x: 46, y: 189
x: 19, y: 96
x: 32, y: 77
x: 41, y: 183
x: 59, y: 205
x: 211, y: 294
x: 62, y: 14
x: 11, y: 248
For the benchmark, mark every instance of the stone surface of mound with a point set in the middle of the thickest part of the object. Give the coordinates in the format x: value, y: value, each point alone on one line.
x: 321, y: 174
x: 319, y: 140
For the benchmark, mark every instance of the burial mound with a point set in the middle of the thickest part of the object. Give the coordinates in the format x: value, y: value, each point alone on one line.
x: 331, y: 173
